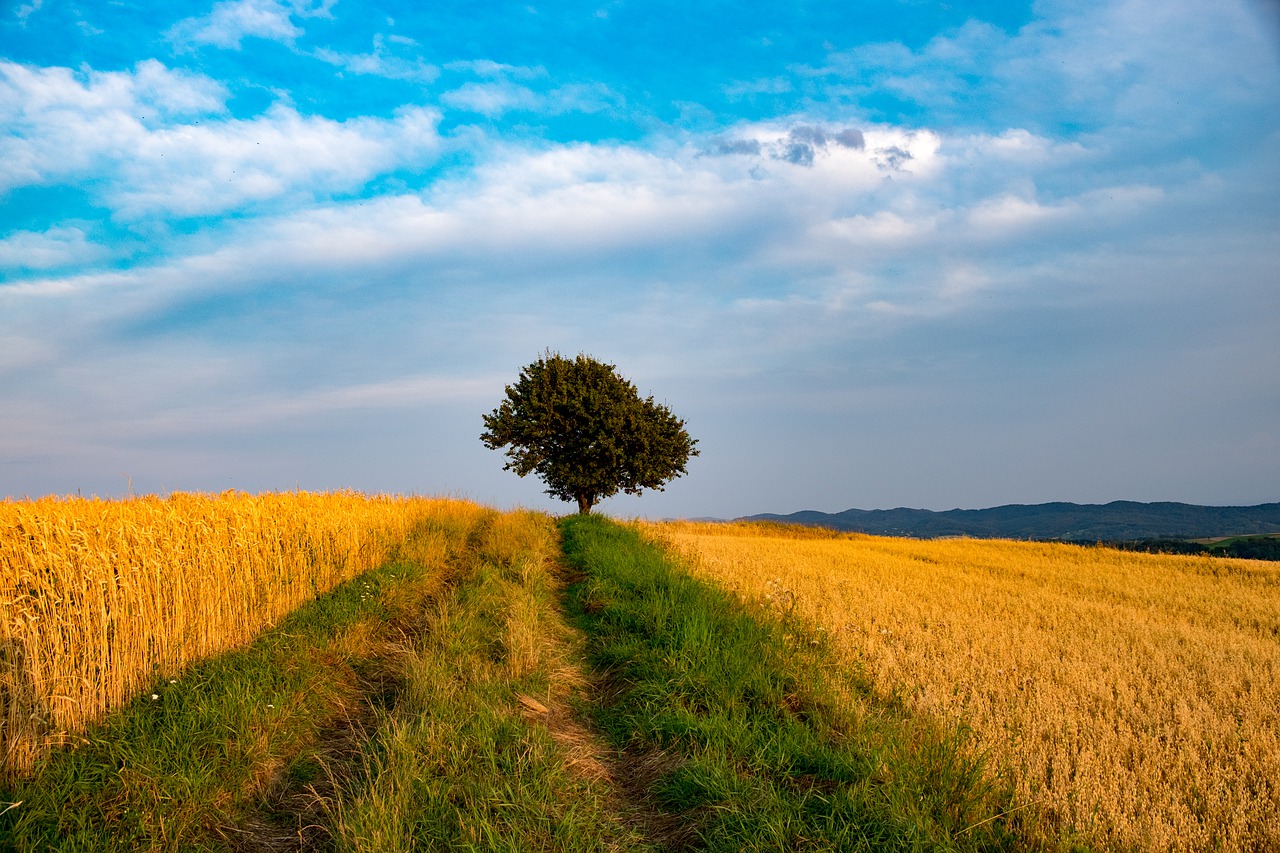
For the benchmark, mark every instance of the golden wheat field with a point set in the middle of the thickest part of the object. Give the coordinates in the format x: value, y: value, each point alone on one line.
x: 1134, y: 697
x: 97, y: 596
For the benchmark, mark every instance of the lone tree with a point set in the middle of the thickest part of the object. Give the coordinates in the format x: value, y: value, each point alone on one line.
x: 586, y: 432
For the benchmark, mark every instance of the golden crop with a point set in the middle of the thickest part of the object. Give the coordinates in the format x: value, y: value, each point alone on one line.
x: 1134, y: 697
x: 98, y: 597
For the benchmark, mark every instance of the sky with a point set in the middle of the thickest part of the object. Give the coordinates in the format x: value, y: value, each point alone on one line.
x: 891, y: 253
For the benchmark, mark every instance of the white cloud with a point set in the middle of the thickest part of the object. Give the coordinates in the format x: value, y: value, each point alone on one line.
x: 489, y: 68
x: 57, y: 247
x: 1008, y: 213
x: 156, y: 140
x: 192, y: 170
x: 491, y: 99
x: 61, y: 122
x: 810, y: 225
x: 848, y: 152
x: 1094, y: 66
x: 813, y: 223
x: 813, y: 229
x: 500, y: 94
x: 496, y: 99
x: 583, y: 98
x: 26, y: 11
x: 882, y: 228
x: 230, y: 21
x: 382, y: 61
x: 1018, y: 147
x: 31, y: 92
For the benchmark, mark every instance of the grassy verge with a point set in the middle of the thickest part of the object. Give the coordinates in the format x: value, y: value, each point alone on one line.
x: 743, y: 731
x: 462, y: 763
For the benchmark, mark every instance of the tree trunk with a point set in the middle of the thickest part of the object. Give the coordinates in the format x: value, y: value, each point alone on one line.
x: 584, y: 504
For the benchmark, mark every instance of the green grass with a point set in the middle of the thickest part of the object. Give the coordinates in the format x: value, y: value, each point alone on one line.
x: 753, y: 740
x: 458, y: 767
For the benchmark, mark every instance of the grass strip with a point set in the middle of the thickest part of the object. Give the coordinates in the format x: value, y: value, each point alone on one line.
x: 460, y: 764
x: 746, y: 731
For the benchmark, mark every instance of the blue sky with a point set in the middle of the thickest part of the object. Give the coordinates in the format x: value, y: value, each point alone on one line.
x: 878, y: 254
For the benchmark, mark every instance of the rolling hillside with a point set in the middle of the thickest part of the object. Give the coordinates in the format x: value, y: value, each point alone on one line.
x: 1115, y: 521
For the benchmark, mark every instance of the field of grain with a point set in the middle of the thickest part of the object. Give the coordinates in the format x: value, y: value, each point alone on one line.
x: 99, y: 597
x: 1130, y: 696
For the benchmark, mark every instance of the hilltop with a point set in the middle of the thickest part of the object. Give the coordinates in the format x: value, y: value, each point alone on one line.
x: 1115, y: 521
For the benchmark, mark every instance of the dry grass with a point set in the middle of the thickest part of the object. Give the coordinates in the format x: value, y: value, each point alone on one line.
x: 1131, y: 696
x: 99, y: 597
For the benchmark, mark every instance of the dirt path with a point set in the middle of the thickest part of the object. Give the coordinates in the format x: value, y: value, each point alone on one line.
x: 295, y: 808
x: 588, y: 755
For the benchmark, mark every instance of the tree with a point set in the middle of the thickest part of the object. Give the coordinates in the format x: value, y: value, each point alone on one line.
x: 586, y: 432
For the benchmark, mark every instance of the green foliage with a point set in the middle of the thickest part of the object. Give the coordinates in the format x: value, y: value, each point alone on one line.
x: 1160, y: 546
x: 1251, y: 548
x: 586, y: 432
x: 1263, y: 547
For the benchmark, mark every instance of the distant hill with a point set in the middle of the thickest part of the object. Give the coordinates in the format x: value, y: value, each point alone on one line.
x: 1116, y: 521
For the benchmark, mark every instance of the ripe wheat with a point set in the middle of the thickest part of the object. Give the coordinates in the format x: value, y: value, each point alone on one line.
x: 1131, y: 696
x: 98, y: 597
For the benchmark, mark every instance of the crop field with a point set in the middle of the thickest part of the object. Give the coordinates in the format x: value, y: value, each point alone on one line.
x: 339, y: 672
x: 384, y: 673
x: 96, y: 597
x: 1132, y: 697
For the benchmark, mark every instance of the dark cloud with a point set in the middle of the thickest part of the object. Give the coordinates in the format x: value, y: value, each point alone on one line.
x: 736, y: 146
x: 799, y: 153
x: 892, y: 158
x: 802, y: 143
x: 805, y: 140
x: 804, y: 133
x: 801, y: 146
x: 850, y: 137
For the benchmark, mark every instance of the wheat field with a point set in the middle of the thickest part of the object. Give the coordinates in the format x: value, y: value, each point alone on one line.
x: 99, y: 597
x: 1132, y: 697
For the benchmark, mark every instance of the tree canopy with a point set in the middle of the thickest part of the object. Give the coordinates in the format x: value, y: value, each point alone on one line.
x: 586, y: 432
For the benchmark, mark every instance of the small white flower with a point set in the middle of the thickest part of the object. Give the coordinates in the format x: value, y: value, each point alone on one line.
x: 155, y: 696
